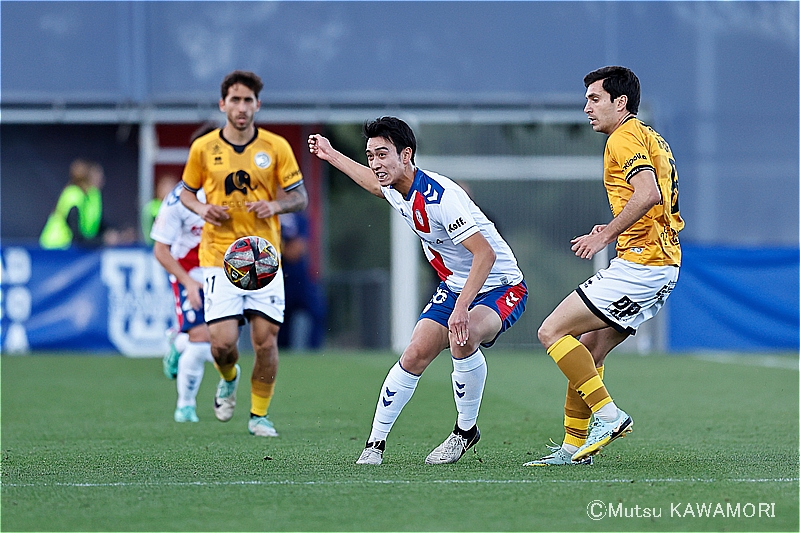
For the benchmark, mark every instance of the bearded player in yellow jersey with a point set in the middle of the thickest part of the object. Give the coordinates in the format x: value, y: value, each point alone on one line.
x: 242, y: 170
x: 642, y: 185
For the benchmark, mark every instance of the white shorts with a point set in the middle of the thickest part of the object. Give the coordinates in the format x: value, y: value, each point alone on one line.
x: 626, y: 294
x: 223, y: 300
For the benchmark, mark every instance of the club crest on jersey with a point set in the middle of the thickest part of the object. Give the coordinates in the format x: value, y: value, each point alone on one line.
x: 420, y: 215
x: 262, y: 160
x: 216, y: 153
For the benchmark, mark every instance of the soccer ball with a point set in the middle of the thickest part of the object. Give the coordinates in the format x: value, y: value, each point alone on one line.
x: 251, y: 263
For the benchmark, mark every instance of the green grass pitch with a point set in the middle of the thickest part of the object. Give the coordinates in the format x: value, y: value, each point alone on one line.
x: 88, y: 444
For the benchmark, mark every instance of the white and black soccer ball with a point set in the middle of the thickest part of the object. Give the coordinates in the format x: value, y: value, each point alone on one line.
x: 251, y: 263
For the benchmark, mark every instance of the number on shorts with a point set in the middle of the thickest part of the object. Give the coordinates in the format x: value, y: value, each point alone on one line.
x: 624, y: 308
x: 209, y: 285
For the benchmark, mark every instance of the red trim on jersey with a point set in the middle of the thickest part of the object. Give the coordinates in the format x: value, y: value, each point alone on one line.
x: 438, y: 264
x: 509, y: 300
x: 420, y: 215
x: 190, y: 260
x: 176, y: 293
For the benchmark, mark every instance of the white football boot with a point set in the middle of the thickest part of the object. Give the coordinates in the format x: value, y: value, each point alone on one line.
x: 225, y: 399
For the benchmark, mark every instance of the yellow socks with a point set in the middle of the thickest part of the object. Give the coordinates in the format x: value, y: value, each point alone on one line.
x: 260, y: 397
x: 228, y: 372
x: 576, y: 416
x: 576, y: 362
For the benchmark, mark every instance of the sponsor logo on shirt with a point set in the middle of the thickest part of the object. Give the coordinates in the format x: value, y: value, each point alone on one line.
x: 637, y: 157
x: 455, y: 225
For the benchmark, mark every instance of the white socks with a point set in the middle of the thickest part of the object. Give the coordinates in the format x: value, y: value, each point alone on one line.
x: 608, y: 413
x: 570, y: 449
x: 469, y: 377
x: 397, y: 389
x: 181, y: 341
x: 191, y: 366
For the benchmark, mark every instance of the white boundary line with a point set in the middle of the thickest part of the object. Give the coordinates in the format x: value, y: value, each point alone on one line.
x: 402, y: 482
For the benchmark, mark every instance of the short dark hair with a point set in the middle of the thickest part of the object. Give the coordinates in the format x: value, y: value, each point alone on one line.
x: 616, y: 82
x: 246, y: 78
x: 398, y: 132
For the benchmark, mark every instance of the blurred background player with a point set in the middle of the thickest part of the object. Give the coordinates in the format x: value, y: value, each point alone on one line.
x: 176, y: 235
x: 641, y: 180
x: 241, y: 168
x: 481, y: 294
x: 78, y: 215
x: 178, y: 339
x: 304, y: 317
x: 164, y: 185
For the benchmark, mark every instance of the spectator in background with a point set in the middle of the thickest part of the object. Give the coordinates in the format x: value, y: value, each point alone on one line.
x: 79, y: 210
x: 304, y: 316
x: 164, y: 185
x: 78, y: 216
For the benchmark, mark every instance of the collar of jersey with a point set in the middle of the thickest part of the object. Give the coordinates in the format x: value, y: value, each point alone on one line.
x: 415, y: 186
x: 239, y: 148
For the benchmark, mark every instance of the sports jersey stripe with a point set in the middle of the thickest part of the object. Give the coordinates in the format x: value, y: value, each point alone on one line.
x: 599, y: 314
x: 638, y: 169
x: 293, y: 186
x: 464, y: 235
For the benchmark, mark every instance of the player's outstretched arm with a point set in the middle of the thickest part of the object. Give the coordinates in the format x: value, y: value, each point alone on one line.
x: 362, y: 175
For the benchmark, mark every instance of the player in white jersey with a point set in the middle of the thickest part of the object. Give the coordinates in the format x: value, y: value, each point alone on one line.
x: 482, y: 292
x: 176, y: 235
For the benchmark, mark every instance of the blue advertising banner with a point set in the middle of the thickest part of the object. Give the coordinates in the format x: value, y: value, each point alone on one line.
x: 736, y: 299
x: 104, y: 300
x: 119, y: 299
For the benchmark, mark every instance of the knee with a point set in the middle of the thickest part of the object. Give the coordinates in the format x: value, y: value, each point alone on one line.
x: 224, y: 353
x: 548, y: 335
x: 460, y: 352
x: 414, y: 360
x: 266, y: 346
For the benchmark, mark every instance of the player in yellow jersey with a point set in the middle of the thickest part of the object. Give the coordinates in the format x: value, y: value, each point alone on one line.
x: 242, y: 170
x: 642, y: 185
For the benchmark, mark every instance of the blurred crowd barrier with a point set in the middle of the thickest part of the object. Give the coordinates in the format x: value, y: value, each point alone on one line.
x: 119, y: 300
x: 111, y: 299
x: 737, y: 299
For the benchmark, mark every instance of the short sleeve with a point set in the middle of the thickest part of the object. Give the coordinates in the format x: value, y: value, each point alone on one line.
x: 456, y: 217
x: 193, y: 171
x: 630, y: 153
x: 289, y: 173
x: 167, y: 225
